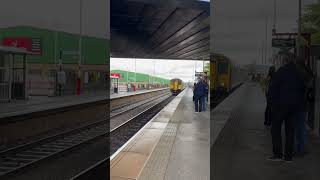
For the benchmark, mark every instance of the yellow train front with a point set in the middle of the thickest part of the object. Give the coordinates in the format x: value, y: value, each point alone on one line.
x: 220, y: 74
x: 176, y: 86
x: 224, y: 76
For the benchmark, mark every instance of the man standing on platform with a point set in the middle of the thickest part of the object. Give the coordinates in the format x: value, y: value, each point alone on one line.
x: 198, y: 93
x: 206, y: 92
x: 300, y: 129
x: 267, y: 114
x: 287, y: 95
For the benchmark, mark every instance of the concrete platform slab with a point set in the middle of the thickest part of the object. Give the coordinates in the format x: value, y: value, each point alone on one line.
x: 180, y: 151
x: 244, y: 144
x: 183, y: 149
x: 129, y: 166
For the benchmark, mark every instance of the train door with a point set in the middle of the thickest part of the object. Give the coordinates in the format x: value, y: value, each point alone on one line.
x: 223, y: 75
x: 5, y: 78
x: 229, y: 75
x: 213, y: 74
x: 176, y: 83
x: 179, y: 85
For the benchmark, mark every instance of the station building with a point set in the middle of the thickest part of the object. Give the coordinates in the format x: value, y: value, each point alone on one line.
x: 53, y: 67
x: 140, y: 80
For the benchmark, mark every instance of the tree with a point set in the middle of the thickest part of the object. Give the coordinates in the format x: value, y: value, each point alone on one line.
x: 311, y: 22
x: 207, y: 68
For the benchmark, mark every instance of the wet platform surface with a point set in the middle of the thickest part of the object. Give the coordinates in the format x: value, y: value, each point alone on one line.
x: 174, y: 145
x: 241, y: 143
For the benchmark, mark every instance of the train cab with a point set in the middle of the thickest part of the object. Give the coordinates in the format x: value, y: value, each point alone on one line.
x: 176, y: 86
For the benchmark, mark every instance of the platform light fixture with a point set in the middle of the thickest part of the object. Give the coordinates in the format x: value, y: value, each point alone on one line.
x: 80, y: 49
x: 135, y: 72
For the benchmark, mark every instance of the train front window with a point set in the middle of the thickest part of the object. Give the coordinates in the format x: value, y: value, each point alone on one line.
x: 222, y: 67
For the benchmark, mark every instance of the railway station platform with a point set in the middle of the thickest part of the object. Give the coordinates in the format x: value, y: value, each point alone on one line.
x: 124, y: 94
x: 173, y: 145
x: 240, y: 144
x: 41, y: 103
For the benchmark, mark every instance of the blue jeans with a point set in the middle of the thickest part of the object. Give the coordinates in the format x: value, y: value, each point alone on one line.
x: 203, y: 102
x: 198, y: 103
x: 300, y: 132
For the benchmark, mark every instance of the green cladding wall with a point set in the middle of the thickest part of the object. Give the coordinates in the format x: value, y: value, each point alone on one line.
x: 142, y: 78
x: 95, y: 51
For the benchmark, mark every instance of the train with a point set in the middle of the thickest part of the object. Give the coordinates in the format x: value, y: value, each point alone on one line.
x: 224, y: 76
x: 176, y: 86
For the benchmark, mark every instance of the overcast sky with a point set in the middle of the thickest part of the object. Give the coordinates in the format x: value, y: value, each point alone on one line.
x: 238, y: 26
x: 163, y: 68
x: 63, y: 15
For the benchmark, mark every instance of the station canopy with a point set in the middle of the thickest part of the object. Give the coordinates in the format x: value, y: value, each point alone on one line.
x: 160, y: 29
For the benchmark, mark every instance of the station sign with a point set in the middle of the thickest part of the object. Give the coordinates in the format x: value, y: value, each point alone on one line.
x: 115, y: 75
x: 33, y: 45
x: 284, y: 44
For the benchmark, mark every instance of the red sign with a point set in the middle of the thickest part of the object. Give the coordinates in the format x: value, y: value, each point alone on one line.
x: 30, y: 44
x: 117, y: 75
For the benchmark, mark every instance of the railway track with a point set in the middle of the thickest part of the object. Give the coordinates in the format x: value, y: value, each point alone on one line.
x: 127, y: 107
x: 18, y: 159
x: 216, y: 101
x: 120, y: 135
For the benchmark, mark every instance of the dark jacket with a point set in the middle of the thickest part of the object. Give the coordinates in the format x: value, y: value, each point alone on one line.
x: 268, y: 83
x: 307, y: 75
x: 287, y: 88
x: 199, y: 89
x: 206, y: 87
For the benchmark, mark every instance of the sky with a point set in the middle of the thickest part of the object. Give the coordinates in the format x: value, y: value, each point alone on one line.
x: 63, y: 15
x: 183, y: 69
x: 238, y: 27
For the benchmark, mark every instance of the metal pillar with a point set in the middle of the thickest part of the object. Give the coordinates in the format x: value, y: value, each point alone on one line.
x: 135, y: 73
x: 299, y: 30
x: 80, y: 52
x: 10, y: 68
x: 25, y: 94
x: 266, y: 42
